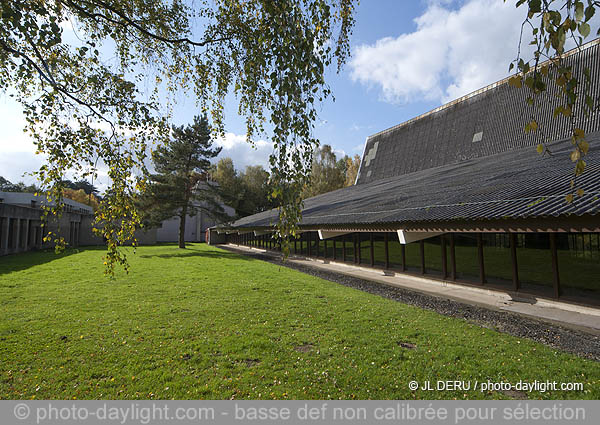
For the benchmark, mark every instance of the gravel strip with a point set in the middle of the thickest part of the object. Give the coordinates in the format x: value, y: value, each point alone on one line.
x: 573, y: 341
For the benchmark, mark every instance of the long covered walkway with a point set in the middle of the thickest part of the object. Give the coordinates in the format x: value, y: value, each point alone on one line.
x: 564, y: 266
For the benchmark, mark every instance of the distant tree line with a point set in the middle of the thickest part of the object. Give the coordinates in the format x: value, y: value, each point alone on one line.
x: 329, y: 173
x: 249, y: 191
x: 7, y: 186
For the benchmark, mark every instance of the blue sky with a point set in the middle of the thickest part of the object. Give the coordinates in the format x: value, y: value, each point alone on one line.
x: 408, y: 57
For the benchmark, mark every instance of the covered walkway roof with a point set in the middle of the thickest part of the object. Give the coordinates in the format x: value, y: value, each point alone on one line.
x: 491, y: 191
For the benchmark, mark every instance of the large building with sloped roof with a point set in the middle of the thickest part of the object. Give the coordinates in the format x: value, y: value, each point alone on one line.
x: 460, y: 194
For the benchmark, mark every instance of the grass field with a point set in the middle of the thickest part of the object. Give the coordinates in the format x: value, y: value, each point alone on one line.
x: 207, y: 323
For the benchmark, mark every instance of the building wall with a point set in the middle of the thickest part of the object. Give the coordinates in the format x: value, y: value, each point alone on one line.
x: 215, y: 238
x: 169, y: 231
x: 31, y: 200
x: 146, y: 236
x: 143, y: 236
x: 21, y: 229
x: 195, y: 227
x: 88, y: 237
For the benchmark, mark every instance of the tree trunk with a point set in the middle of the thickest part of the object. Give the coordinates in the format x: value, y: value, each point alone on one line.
x: 182, y: 218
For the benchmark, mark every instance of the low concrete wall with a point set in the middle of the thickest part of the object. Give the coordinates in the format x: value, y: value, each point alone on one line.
x: 89, y: 238
x: 22, y: 228
x: 146, y: 236
x: 143, y: 236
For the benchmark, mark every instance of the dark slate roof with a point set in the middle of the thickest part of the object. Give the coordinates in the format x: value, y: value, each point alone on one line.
x: 486, y: 122
x: 513, y: 184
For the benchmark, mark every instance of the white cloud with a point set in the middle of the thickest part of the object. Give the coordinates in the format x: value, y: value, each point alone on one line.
x: 358, y: 149
x: 339, y: 153
x: 243, y: 153
x: 67, y: 25
x: 451, y: 53
x: 15, y: 165
x: 17, y: 151
x: 12, y: 122
x: 356, y: 127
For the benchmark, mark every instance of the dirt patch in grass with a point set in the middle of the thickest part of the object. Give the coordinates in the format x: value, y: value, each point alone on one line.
x: 305, y: 348
x: 251, y: 362
x: 517, y: 395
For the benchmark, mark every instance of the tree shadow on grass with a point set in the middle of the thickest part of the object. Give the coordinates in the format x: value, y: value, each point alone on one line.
x: 184, y: 253
x: 25, y: 260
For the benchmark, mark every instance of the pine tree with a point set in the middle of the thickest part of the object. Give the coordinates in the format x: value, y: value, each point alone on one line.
x: 180, y: 187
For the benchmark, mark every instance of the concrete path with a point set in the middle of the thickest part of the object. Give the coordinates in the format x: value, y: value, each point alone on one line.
x: 574, y: 316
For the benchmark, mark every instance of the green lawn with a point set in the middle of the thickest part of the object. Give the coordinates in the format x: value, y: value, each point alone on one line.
x: 206, y: 323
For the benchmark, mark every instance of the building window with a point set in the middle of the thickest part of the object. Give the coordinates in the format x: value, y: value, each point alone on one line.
x: 365, y: 248
x: 395, y: 251
x: 534, y: 261
x: 497, y: 260
x: 579, y: 265
x: 532, y: 271
x: 465, y: 249
x: 433, y: 255
x: 317, y: 248
x: 379, y: 249
x: 349, y: 247
x: 413, y: 257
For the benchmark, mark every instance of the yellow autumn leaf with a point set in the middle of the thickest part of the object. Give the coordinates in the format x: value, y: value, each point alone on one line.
x: 534, y: 125
x: 575, y: 155
x: 515, y: 81
x: 579, y: 167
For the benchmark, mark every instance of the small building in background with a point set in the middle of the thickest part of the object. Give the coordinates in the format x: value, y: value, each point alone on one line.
x: 195, y: 227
